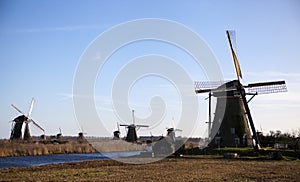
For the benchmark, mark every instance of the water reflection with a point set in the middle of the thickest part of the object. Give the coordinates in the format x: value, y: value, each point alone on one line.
x: 24, y: 161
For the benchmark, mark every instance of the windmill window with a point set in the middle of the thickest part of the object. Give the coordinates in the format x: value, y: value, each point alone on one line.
x: 237, y: 141
x: 220, y: 120
x: 232, y: 131
x: 217, y: 140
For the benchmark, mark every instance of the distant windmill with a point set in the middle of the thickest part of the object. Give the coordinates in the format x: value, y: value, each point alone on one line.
x: 131, y: 130
x: 20, y: 128
x: 81, y: 133
x: 171, y: 132
x: 231, y: 97
x: 117, y: 133
x: 59, y: 135
x: 166, y: 146
x: 171, y: 137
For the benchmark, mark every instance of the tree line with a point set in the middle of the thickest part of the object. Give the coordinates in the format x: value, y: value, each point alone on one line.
x: 286, y: 140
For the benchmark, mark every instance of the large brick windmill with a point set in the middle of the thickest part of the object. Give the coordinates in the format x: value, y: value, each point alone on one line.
x: 230, y: 126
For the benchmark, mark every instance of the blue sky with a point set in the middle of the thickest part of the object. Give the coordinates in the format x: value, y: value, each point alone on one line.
x: 42, y: 42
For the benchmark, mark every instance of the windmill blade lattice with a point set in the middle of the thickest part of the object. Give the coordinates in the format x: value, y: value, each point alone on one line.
x: 266, y: 87
x: 205, y: 85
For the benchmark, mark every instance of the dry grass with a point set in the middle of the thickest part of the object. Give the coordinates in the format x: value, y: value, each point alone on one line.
x: 16, y: 148
x: 170, y: 169
x: 109, y: 145
x: 70, y: 145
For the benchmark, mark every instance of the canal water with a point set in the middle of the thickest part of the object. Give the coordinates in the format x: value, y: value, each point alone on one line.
x: 25, y: 161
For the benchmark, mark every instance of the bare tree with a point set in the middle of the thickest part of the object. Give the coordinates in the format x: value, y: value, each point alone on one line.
x: 278, y: 133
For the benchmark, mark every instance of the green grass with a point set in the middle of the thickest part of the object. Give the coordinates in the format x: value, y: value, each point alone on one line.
x: 266, y: 153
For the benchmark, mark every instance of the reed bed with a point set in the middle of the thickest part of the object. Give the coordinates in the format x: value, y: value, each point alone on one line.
x: 22, y: 148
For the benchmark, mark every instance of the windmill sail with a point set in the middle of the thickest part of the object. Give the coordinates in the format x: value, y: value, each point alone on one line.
x: 30, y: 108
x: 18, y: 109
x: 235, y: 60
x: 37, y: 125
x: 266, y: 87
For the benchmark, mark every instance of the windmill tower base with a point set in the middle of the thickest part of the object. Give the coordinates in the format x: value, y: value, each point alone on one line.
x: 131, y: 134
x: 26, y: 133
x: 230, y: 129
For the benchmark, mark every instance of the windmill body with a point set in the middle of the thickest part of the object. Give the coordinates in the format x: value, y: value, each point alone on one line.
x: 233, y: 129
x: 131, y: 133
x: 17, y: 128
x: 116, y: 135
x: 233, y: 124
x: 166, y: 145
x: 171, y: 138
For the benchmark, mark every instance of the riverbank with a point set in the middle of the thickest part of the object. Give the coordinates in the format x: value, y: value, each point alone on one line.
x: 33, y: 148
x: 66, y: 145
x: 170, y: 169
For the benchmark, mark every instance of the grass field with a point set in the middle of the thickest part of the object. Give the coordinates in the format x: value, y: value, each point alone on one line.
x: 170, y: 169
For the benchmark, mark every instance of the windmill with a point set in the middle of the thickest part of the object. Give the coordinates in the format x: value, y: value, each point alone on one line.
x: 81, y: 133
x: 231, y: 127
x: 171, y: 138
x: 59, y: 135
x: 117, y: 133
x: 171, y: 132
x: 131, y: 130
x: 167, y: 145
x: 20, y: 128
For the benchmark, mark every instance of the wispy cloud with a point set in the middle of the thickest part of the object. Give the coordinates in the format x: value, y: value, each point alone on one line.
x: 269, y: 74
x: 103, y: 103
x: 273, y: 74
x: 59, y: 29
x: 96, y: 97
